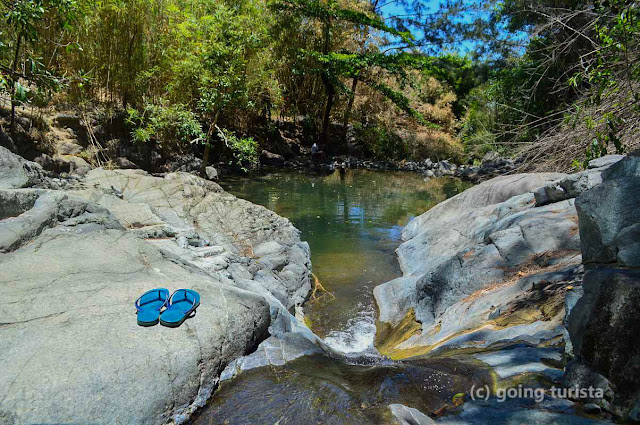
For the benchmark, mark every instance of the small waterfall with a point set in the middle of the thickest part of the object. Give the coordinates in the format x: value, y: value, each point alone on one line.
x: 355, y: 341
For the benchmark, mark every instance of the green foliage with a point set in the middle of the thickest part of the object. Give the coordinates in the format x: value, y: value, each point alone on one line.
x: 382, y: 143
x: 334, y: 62
x: 183, y: 67
x: 613, y: 74
x: 244, y: 149
x: 479, y: 125
x: 171, y: 127
x: 224, y: 82
x: 23, y: 72
x: 330, y: 10
x: 460, y: 73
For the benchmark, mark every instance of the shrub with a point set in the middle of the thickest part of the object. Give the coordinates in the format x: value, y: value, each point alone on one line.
x: 172, y: 127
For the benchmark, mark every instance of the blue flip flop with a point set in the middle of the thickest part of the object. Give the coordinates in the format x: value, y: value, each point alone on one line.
x: 149, y: 305
x: 182, y: 305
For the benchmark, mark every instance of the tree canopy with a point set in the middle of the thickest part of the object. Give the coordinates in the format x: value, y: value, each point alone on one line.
x: 229, y: 74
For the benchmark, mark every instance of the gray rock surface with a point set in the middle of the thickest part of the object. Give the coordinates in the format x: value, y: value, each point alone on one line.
x: 199, y: 212
x: 577, y: 374
x: 17, y: 172
x: 125, y: 164
x: 604, y: 333
x: 605, y: 161
x: 270, y: 158
x: 75, y: 261
x: 609, y: 223
x: 520, y: 360
x: 212, y: 173
x: 603, y: 324
x: 409, y: 416
x: 485, y: 266
x: 73, y: 351
x: 572, y: 185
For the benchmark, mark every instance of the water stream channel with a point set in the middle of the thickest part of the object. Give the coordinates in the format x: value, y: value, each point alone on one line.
x: 353, y: 222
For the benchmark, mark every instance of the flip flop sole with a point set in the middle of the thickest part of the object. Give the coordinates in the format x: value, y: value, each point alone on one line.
x: 146, y: 324
x: 181, y: 321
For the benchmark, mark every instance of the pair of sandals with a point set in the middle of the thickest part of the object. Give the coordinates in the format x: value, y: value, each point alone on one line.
x: 157, y: 306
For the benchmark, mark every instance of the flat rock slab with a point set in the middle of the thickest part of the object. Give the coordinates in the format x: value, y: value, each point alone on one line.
x: 72, y: 350
x: 521, y: 360
x: 73, y: 262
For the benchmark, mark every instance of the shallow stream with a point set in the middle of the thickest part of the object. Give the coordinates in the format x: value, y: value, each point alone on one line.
x: 353, y: 221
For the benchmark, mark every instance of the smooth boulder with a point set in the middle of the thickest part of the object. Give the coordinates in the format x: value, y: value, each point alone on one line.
x: 17, y: 172
x: 73, y: 262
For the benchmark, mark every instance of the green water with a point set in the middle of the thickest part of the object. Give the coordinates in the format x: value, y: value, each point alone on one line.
x: 353, y: 222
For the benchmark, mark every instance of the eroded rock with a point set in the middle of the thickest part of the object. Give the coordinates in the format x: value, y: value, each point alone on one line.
x: 483, y: 267
x: 73, y: 351
x: 75, y: 261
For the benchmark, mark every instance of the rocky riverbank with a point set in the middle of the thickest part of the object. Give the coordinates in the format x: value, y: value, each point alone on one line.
x: 73, y: 261
x: 492, y: 165
x: 67, y: 145
x: 494, y: 276
x: 497, y: 270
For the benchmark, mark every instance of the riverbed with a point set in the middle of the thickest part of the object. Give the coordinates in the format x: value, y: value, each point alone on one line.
x: 353, y: 221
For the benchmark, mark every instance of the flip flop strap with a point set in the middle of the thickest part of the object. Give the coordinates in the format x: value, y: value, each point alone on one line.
x: 138, y: 305
x: 186, y: 298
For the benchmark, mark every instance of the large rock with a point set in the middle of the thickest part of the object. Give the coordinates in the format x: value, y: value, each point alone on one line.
x: 482, y: 267
x: 572, y: 185
x: 73, y: 351
x: 198, y: 213
x: 17, y: 172
x: 27, y: 213
x: 75, y: 262
x: 270, y: 158
x: 609, y: 219
x: 604, y: 323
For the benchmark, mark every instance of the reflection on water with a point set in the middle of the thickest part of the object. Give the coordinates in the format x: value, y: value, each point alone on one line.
x: 353, y: 222
x: 320, y: 390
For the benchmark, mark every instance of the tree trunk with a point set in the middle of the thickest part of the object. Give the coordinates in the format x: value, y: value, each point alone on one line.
x: 207, y: 147
x: 14, y: 79
x: 347, y: 114
x: 324, y: 136
x: 205, y: 160
x: 328, y: 84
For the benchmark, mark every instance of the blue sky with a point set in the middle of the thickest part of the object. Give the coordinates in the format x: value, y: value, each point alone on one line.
x: 392, y: 8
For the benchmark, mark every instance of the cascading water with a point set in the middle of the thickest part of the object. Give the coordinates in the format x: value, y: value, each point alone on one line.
x: 358, y: 336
